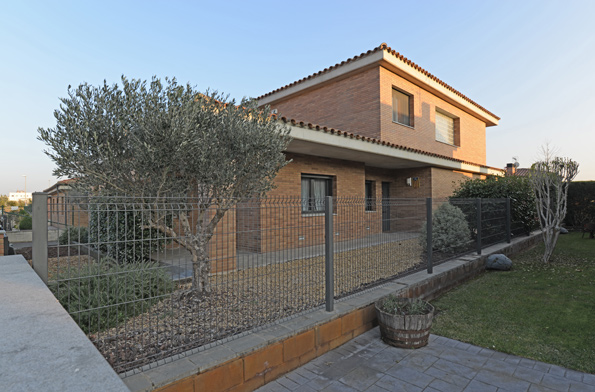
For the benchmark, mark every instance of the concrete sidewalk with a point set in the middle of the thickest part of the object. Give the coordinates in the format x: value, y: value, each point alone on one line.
x: 367, y: 364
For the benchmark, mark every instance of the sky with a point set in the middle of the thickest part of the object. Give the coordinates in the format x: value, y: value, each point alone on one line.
x: 529, y: 62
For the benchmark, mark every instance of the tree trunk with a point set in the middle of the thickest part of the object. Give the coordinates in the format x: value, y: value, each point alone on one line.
x: 201, y: 267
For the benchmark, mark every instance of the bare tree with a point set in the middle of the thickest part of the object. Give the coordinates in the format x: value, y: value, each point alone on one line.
x: 550, y: 178
x: 168, y: 143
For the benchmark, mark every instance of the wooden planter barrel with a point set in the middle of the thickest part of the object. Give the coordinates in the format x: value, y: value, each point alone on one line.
x: 404, y: 331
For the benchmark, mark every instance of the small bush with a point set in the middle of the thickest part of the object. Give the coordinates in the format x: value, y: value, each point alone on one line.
x: 120, y: 231
x: 450, y: 231
x: 102, y: 296
x: 74, y: 234
x: 26, y: 223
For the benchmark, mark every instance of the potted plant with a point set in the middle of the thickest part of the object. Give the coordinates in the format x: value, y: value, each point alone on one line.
x: 404, y: 322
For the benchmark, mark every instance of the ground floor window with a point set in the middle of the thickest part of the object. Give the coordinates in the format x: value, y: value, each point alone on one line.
x: 370, y: 191
x: 314, y: 189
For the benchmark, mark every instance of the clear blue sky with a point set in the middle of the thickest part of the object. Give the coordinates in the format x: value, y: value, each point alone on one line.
x: 529, y: 62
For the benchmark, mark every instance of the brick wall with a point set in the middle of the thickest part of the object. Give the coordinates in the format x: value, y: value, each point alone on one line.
x: 351, y: 104
x: 423, y: 136
x: 445, y: 181
x: 282, y: 225
x: 362, y: 103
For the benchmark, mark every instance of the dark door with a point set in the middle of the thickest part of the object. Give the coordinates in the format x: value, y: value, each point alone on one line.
x: 385, y: 206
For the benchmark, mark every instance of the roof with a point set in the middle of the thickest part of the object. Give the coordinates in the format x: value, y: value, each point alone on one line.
x: 61, y: 182
x: 395, y: 54
x: 351, y: 135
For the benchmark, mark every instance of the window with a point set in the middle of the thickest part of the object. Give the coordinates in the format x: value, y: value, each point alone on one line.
x: 402, y: 108
x: 447, y: 128
x: 370, y: 196
x: 314, y: 190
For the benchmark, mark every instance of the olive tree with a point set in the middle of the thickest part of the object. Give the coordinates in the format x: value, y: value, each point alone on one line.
x: 550, y: 179
x: 165, y: 142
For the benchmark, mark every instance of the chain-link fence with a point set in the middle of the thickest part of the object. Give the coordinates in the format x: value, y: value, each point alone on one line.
x: 150, y: 278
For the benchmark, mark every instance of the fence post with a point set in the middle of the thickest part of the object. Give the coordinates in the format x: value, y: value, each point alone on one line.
x: 40, y: 235
x: 508, y: 219
x: 478, y: 208
x: 429, y: 233
x: 328, y: 255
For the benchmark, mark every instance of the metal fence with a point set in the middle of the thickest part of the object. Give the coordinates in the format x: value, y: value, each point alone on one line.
x: 128, y: 270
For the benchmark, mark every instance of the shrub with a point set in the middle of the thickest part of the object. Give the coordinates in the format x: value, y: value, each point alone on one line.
x: 450, y: 231
x: 117, y: 229
x: 104, y: 295
x: 581, y: 203
x: 26, y: 223
x: 74, y: 234
x: 517, y: 188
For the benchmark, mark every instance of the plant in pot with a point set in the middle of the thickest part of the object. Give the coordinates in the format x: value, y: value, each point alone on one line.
x: 404, y: 322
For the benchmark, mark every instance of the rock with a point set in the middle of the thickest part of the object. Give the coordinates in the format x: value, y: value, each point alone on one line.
x: 498, y: 262
x: 563, y: 230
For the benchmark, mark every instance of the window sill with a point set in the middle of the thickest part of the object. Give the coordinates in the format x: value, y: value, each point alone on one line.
x: 448, y: 144
x: 405, y: 125
x: 370, y: 211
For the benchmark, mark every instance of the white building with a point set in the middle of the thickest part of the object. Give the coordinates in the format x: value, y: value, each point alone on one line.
x: 19, y: 195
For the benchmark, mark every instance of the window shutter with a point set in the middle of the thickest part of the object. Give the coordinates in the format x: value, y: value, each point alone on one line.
x: 445, y: 128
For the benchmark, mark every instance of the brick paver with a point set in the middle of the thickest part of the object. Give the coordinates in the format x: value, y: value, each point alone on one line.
x: 445, y: 365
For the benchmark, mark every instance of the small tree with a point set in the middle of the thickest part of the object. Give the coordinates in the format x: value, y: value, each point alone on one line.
x: 550, y: 178
x: 168, y: 144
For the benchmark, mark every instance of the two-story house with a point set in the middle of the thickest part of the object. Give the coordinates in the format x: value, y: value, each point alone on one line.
x: 374, y: 126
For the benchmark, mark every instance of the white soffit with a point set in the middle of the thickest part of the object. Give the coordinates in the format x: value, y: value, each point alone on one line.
x: 325, y: 144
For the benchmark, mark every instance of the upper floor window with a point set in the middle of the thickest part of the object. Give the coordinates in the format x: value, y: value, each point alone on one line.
x: 314, y: 190
x: 447, y: 128
x: 402, y: 108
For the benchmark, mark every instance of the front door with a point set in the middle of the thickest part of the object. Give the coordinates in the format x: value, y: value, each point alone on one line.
x: 385, y: 206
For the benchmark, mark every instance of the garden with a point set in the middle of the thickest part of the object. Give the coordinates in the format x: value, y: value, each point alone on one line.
x: 542, y: 311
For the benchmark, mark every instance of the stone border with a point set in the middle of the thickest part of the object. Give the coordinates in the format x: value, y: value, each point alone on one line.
x: 259, y: 357
x: 41, y: 347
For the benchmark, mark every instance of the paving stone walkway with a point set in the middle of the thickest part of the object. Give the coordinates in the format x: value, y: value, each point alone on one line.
x: 368, y: 364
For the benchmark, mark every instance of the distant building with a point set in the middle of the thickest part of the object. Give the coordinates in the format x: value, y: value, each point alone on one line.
x: 20, y: 195
x: 512, y: 170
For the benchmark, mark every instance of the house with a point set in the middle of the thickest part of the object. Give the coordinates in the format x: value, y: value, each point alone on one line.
x: 371, y: 128
x: 375, y: 126
x: 63, y: 212
x: 512, y: 169
x: 20, y: 196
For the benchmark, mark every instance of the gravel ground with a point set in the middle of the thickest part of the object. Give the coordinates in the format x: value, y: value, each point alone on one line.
x: 242, y: 300
x: 239, y: 300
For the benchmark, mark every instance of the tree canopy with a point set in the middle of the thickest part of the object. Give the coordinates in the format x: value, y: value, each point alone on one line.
x: 154, y: 141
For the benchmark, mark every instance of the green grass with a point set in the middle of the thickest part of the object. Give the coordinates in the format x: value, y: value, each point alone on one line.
x: 538, y: 311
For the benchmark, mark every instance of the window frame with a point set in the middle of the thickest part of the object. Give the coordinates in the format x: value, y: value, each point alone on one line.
x: 410, y: 123
x: 309, y: 205
x: 455, y: 127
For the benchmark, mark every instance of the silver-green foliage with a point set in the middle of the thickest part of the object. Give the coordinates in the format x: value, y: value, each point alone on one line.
x: 155, y: 140
x: 450, y: 230
x: 104, y: 295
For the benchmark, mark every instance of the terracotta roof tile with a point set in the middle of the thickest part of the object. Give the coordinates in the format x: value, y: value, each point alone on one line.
x: 383, y: 46
x: 338, y: 132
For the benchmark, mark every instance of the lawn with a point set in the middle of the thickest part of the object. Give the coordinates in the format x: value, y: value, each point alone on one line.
x: 537, y: 311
